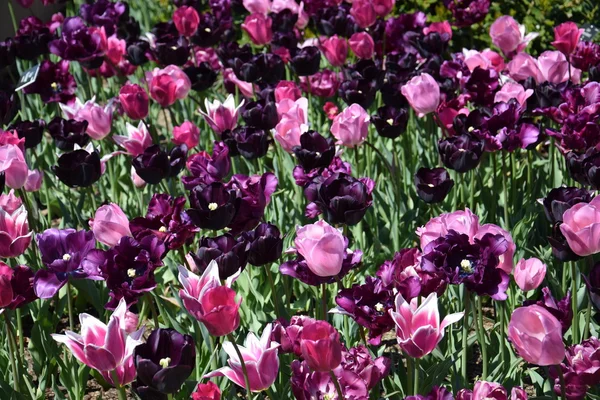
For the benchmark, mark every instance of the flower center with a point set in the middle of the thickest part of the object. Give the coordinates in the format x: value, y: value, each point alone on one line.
x: 379, y: 307
x: 164, y: 362
x: 207, y: 30
x: 213, y: 206
x: 430, y: 184
x: 461, y: 150
x: 390, y: 121
x: 131, y: 272
x: 173, y: 47
x: 66, y: 257
x: 162, y: 229
x: 328, y: 396
x: 471, y: 129
x: 466, y: 266
x: 54, y: 85
x: 318, y: 154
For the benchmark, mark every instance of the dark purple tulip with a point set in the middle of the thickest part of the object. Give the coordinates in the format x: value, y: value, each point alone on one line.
x: 284, y: 43
x: 202, y: 77
x: 78, y: 43
x: 210, y: 30
x: 402, y: 32
x: 255, y: 193
x: 335, y: 20
x: 585, y: 168
x: 154, y: 164
x: 390, y: 122
x: 206, y: 168
x: 460, y: 153
x: 32, y: 131
x: 2, y: 182
x: 467, y: 12
x: 163, y: 363
x: 234, y: 56
x: 306, y: 61
x: 482, y: 86
x: 128, y: 268
x: 474, y: 264
x: 260, y: 114
x: 315, y: 151
x: 265, y: 244
x: 561, y: 199
x: 251, y: 142
x: 129, y: 29
x: 433, y: 184
x: 32, y: 38
x: 177, y: 159
x: 561, y: 309
x: 593, y: 284
x: 368, y: 304
x: 284, y: 21
x: 54, y: 83
x: 358, y: 359
x: 170, y: 50
x: 213, y: 206
x: 9, y: 106
x: 229, y: 253
x: 287, y: 333
x: 7, y: 53
x: 166, y: 220
x: 271, y: 68
x: 21, y: 282
x: 303, y: 177
x: 441, y: 393
x: 341, y: 198
x: 104, y: 13
x: 358, y: 91
x: 78, y: 168
x: 65, y: 255
x: 586, y: 55
x: 137, y: 52
x: 308, y: 385
x: 67, y: 133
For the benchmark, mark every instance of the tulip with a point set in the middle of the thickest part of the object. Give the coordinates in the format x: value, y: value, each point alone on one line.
x: 207, y: 391
x: 68, y: 133
x: 105, y: 348
x: 363, y: 12
x: 54, y: 84
x: 99, y: 118
x: 231, y: 82
x: 14, y: 232
x: 250, y: 142
x: 261, y: 114
x: 323, y: 83
x: 390, y: 122
x: 187, y: 133
x: 134, y: 101
x: 255, y: 192
x: 443, y: 28
x: 335, y: 50
x: 320, y: 346
x: 213, y: 206
x: 206, y: 168
x: 163, y: 363
x: 581, y: 227
x: 512, y: 90
x: 9, y: 202
x: 561, y: 309
x: 461, y: 153
x: 265, y: 244
x: 202, y: 77
x: 433, y: 185
x: 306, y: 61
x: 258, y: 27
x: 259, y: 357
x: 110, y: 224
x: 536, y: 335
x: 13, y: 165
x: 289, y: 131
x: 258, y: 6
x: 362, y: 44
x: 561, y: 199
x: 322, y: 246
x: 351, y: 126
x: 418, y: 326
x: 168, y: 85
x: 287, y: 90
x: 186, y: 20
x: 314, y: 151
x: 221, y: 116
x: 566, y: 37
x: 509, y: 36
x: 529, y: 273
x: 137, y: 139
x: 16, y: 286
x: 32, y: 131
x: 228, y: 252
x: 79, y: 43
x: 422, y: 93
x: 523, y: 66
x: 209, y: 302
x: 155, y: 164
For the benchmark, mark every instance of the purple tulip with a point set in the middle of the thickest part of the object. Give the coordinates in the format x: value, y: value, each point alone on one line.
x: 265, y: 244
x: 54, y: 83
x: 229, y: 253
x: 255, y: 193
x: 78, y: 43
x: 16, y: 286
x: 104, y: 13
x: 206, y: 168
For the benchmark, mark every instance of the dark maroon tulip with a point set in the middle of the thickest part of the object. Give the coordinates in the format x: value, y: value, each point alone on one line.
x: 255, y: 193
x: 586, y: 55
x: 307, y: 384
x: 251, y: 142
x: 210, y: 30
x: 67, y: 133
x: 78, y: 168
x: 287, y: 333
x: 31, y: 131
x: 265, y: 244
x: 315, y: 151
x: 154, y: 164
x: 137, y: 52
x: 482, y: 86
x: 467, y: 12
x: 561, y: 309
x: 341, y: 198
x: 593, y: 283
x: 54, y: 83
x: 7, y: 53
x: 306, y: 62
x: 206, y: 168
x: 202, y: 77
x: 578, y: 369
x: 32, y: 38
x: 358, y: 91
x: 433, y: 184
x: 561, y: 199
x: 358, y: 360
x: 401, y: 31
x: 321, y: 347
x: 303, y: 178
x: 163, y: 363
x: 169, y: 51
x: 19, y: 282
x: 166, y: 220
x: 104, y: 13
x: 213, y: 206
x: 390, y: 122
x: 460, y: 153
x: 78, y: 43
x: 271, y: 68
x: 9, y: 106
x: 284, y: 21
x: 560, y: 248
x: 260, y: 114
x: 229, y: 253
x: 177, y: 159
x: 335, y: 20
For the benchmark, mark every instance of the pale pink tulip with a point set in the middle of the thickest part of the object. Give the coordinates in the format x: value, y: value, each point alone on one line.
x: 512, y: 90
x: 257, y: 6
x: 137, y: 139
x: 422, y: 93
x: 509, y: 36
x: 99, y: 118
x: 581, y: 227
x: 15, y: 236
x: 13, y: 165
x: 34, y: 180
x: 110, y: 224
x: 322, y: 246
x: 362, y: 44
x: 351, y: 126
x: 245, y: 88
x: 529, y: 273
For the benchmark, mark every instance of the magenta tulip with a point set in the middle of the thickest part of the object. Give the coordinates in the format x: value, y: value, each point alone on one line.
x: 186, y: 20
x: 110, y: 224
x: 258, y: 6
x: 362, y: 44
x: 168, y: 85
x: 260, y: 358
x: 509, y: 36
x: 363, y: 13
x: 9, y: 202
x: 186, y: 133
x: 15, y: 236
x: 6, y: 290
x: 418, y: 327
x: 383, y: 7
x: 566, y: 37
x: 529, y: 273
x: 581, y: 227
x: 351, y: 126
x: 134, y: 101
x: 335, y: 50
x: 287, y: 90
x: 13, y: 165
x: 443, y: 28
x: 137, y: 139
x: 322, y: 246
x: 422, y: 93
x: 258, y: 27
x: 320, y: 346
x: 536, y: 335
x: 221, y: 116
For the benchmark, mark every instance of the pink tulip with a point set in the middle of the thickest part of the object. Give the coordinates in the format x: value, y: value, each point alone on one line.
x: 335, y: 50
x: 137, y: 180
x: 221, y: 116
x: 258, y: 27
x: 209, y: 302
x: 320, y: 346
x: 11, y: 137
x: 529, y: 273
x: 34, y: 180
x: 110, y: 224
x: 99, y: 118
x: 207, y: 391
x: 137, y: 139
x: 288, y: 132
x: 105, y: 348
x: 260, y: 358
x: 363, y: 13
x: 566, y: 37
x: 554, y: 68
x: 383, y: 7
x: 9, y: 202
x: 6, y: 290
x: 511, y: 90
x: 505, y: 260
x: 186, y: 20
x: 524, y: 66
x: 13, y: 165
x: 257, y: 6
x: 322, y: 246
x: 116, y: 49
x: 245, y: 88
x: 14, y: 232
x: 295, y: 8
x: 464, y: 222
x: 168, y: 85
x: 422, y: 93
x: 443, y: 28
x: 496, y: 60
x: 134, y: 101
x: 351, y: 126
x: 536, y: 335
x: 509, y: 36
x: 488, y: 390
x: 287, y: 90
x: 581, y: 227
x: 362, y: 44
x: 187, y: 133
x: 25, y: 3
x: 418, y: 327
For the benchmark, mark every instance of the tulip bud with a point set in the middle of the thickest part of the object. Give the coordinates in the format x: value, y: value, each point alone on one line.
x: 529, y: 273
x: 134, y: 101
x: 187, y: 133
x: 362, y: 44
x: 186, y: 20
x: 110, y: 224
x: 321, y: 347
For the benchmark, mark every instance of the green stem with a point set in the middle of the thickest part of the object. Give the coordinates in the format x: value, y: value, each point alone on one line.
x: 410, y: 379
x: 575, y: 324
x: 494, y: 186
x: 20, y: 331
x: 338, y: 388
x: 482, y: 337
x: 12, y: 16
x: 472, y: 191
x: 505, y: 192
x: 273, y: 292
x: 70, y: 306
x: 11, y: 353
x: 243, y: 364
x: 416, y: 373
x: 120, y: 389
x: 465, y: 334
x: 588, y: 315
x: 500, y: 309
x: 324, y: 300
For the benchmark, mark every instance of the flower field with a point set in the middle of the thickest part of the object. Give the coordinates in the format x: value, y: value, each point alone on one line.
x: 316, y: 200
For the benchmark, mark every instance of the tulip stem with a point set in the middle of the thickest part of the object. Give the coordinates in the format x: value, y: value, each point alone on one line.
x: 243, y: 364
x: 416, y: 373
x: 494, y: 187
x: 500, y: 309
x: 338, y: 388
x: 11, y: 353
x: 482, y: 337
x: 410, y: 379
x: 273, y: 293
x: 465, y: 333
x: 70, y: 306
x: 20, y: 331
x: 505, y: 192
x: 120, y: 389
x: 561, y: 376
x: 324, y: 300
x: 575, y: 324
x: 588, y: 312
